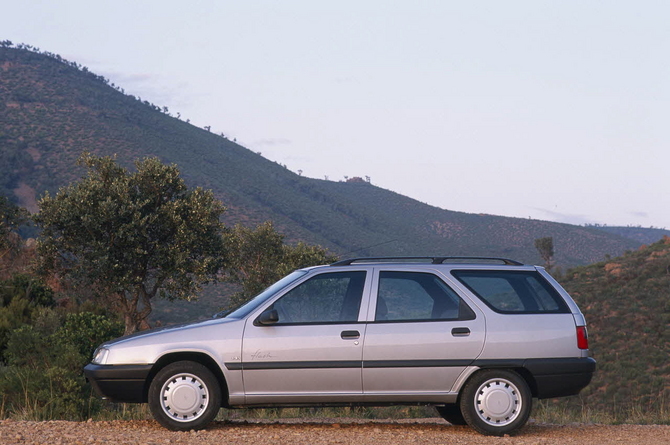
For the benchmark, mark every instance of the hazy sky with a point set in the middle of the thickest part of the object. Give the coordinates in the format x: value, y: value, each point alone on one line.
x: 554, y: 110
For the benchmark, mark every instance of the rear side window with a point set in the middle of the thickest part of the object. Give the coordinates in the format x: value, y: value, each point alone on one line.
x: 513, y: 292
x: 416, y: 296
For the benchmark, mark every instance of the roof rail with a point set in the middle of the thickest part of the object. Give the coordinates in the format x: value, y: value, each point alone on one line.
x: 432, y: 260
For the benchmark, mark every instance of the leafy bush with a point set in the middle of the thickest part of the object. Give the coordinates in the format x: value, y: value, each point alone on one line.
x: 42, y: 377
x: 20, y: 296
x: 33, y: 289
x: 86, y: 331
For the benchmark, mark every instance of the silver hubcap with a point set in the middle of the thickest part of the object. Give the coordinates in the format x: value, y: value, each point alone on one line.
x: 498, y: 402
x: 184, y: 397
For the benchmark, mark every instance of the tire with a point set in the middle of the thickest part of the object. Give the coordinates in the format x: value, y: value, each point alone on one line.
x: 496, y: 402
x: 184, y: 396
x: 452, y: 414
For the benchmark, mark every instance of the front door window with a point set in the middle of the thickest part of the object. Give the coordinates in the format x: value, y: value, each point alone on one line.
x: 326, y: 298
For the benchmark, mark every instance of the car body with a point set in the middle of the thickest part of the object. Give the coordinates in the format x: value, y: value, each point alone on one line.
x: 476, y: 337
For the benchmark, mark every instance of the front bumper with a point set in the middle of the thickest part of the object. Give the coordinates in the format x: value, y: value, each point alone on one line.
x: 119, y: 383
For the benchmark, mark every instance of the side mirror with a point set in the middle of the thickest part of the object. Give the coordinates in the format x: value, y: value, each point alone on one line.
x: 268, y: 317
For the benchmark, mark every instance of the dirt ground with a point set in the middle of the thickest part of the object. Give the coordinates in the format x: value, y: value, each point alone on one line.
x: 323, y: 431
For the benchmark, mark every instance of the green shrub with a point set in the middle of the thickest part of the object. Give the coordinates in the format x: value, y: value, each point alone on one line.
x: 20, y: 296
x: 32, y: 289
x: 43, y: 378
x: 86, y: 331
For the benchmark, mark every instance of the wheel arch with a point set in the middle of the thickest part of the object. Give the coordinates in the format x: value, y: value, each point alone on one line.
x: 523, y: 372
x: 197, y: 357
x: 528, y: 377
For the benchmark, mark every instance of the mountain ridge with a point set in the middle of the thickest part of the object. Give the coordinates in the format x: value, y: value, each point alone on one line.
x: 53, y: 110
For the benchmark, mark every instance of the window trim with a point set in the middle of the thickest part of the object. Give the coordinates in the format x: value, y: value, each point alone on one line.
x: 311, y: 323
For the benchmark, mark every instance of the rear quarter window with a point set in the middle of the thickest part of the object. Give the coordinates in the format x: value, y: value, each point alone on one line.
x: 513, y: 292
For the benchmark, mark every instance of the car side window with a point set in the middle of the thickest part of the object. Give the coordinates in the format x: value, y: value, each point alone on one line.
x: 418, y: 296
x: 325, y: 298
x: 514, y: 292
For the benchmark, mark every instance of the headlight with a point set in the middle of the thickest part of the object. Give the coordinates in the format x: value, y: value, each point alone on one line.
x: 100, y: 356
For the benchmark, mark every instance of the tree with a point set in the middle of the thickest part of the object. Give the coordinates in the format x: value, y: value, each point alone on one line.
x: 11, y: 218
x: 259, y: 257
x: 20, y: 296
x: 545, y: 246
x: 130, y: 237
x: 13, y: 255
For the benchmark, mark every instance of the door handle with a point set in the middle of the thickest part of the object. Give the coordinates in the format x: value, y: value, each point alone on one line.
x: 460, y: 332
x: 350, y: 335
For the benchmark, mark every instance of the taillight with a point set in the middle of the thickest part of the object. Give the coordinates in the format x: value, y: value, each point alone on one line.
x: 582, y: 337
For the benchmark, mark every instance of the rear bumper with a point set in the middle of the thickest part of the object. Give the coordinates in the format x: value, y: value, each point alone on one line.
x: 551, y: 377
x: 561, y: 376
x: 119, y: 383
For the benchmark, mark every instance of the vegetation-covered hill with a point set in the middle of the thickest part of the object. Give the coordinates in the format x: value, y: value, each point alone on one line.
x: 52, y: 110
x: 626, y: 301
x: 644, y: 235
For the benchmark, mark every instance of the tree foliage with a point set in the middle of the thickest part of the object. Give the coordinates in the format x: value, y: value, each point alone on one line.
x: 20, y: 296
x: 259, y: 257
x: 132, y: 236
x: 11, y: 218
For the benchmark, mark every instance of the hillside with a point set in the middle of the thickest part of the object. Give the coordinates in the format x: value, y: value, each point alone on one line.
x: 626, y: 301
x: 644, y: 235
x: 51, y: 110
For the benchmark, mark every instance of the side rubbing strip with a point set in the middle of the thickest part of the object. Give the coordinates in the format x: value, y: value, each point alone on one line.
x: 415, y: 363
x: 293, y: 365
x: 535, y: 366
x: 349, y: 364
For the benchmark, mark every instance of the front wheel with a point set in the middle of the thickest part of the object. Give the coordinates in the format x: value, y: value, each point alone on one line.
x: 496, y: 402
x: 184, y: 396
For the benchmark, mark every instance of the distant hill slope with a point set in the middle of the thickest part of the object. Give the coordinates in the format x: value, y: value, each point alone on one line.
x: 643, y: 235
x: 626, y: 301
x: 52, y: 110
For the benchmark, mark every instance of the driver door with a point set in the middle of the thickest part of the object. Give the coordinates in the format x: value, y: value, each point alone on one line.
x: 313, y: 351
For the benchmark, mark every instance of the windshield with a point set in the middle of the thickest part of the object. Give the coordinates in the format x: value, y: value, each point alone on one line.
x: 259, y: 299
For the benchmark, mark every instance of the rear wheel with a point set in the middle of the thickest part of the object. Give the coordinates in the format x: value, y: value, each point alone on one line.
x: 496, y: 402
x: 184, y: 396
x: 452, y: 414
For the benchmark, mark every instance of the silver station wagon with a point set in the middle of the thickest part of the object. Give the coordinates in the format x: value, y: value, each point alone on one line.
x: 478, y: 338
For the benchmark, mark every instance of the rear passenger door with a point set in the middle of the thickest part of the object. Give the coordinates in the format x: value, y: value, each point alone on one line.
x: 530, y: 319
x: 420, y: 337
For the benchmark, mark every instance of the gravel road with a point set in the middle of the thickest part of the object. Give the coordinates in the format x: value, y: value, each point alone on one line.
x: 322, y: 431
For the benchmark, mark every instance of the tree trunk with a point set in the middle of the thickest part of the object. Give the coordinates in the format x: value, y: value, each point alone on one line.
x: 132, y: 324
x: 135, y: 320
